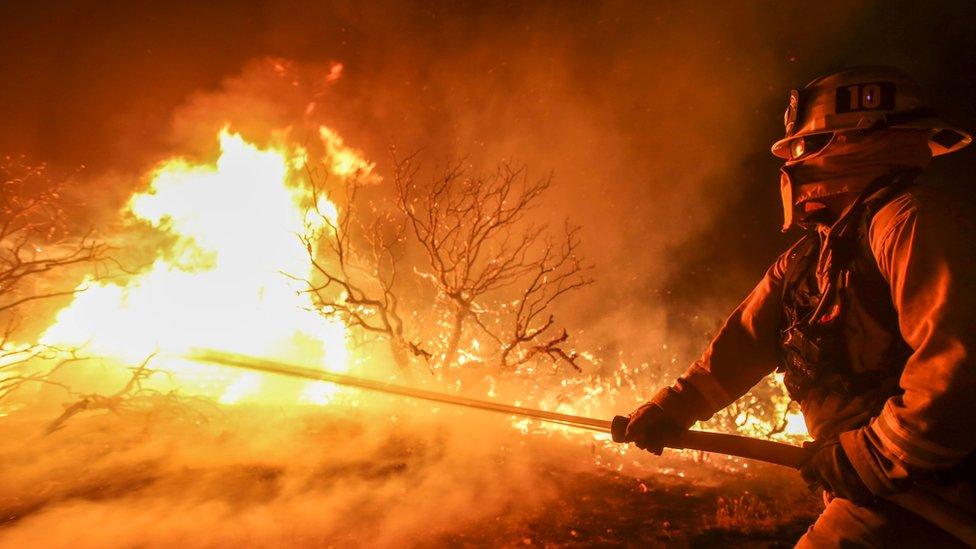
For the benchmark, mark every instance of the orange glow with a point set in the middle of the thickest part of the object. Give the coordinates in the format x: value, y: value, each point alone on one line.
x: 342, y: 160
x: 235, y: 224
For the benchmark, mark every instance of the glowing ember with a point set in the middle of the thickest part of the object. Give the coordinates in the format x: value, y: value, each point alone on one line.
x: 235, y: 226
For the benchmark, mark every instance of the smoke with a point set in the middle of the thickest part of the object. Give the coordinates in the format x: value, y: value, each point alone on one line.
x: 370, y: 472
x: 179, y: 473
x: 256, y: 477
x: 654, y: 118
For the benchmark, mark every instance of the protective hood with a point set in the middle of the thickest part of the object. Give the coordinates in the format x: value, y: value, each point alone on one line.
x: 848, y: 165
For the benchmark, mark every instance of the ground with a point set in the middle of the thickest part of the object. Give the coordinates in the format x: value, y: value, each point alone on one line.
x: 609, y: 509
x: 199, y: 475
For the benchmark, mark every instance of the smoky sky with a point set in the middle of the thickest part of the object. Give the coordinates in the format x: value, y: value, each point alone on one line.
x: 654, y: 117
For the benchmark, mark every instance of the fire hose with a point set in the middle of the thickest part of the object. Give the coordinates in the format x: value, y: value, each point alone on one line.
x: 926, y: 506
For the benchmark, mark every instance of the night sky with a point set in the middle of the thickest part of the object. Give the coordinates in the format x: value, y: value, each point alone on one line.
x: 656, y: 120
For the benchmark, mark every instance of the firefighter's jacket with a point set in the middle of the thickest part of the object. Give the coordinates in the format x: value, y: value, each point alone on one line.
x: 925, y: 248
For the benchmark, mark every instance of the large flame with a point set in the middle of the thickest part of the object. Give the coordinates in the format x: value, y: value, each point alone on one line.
x: 235, y: 225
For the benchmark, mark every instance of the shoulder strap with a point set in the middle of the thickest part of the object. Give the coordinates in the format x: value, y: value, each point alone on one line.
x: 798, y: 260
x: 861, y: 226
x: 849, y: 231
x: 875, y: 291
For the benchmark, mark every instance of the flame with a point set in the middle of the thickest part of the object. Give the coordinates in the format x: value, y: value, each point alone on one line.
x: 235, y: 227
x: 343, y: 161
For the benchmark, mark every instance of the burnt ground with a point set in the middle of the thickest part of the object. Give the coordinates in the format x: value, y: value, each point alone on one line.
x: 157, y: 478
x: 610, y: 510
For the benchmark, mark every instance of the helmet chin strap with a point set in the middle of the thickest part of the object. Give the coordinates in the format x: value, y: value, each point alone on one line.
x: 819, y: 212
x: 786, y: 194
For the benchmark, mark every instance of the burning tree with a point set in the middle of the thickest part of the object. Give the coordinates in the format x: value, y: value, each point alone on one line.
x: 489, y: 263
x: 37, y: 244
x: 532, y: 327
x: 490, y: 266
x: 356, y: 264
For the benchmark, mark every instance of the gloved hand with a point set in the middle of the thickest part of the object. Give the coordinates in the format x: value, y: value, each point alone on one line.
x: 660, y: 421
x: 830, y: 469
x: 650, y: 429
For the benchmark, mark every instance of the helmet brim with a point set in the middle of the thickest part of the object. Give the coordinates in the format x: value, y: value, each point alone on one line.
x: 944, y: 139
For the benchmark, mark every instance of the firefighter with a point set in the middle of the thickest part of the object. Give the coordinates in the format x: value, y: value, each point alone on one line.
x: 870, y: 316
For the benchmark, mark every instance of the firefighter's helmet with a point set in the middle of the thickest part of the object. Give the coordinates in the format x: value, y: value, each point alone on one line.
x: 865, y: 99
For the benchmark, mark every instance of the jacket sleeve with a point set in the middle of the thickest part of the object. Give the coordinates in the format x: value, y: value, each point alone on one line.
x: 742, y: 353
x: 926, y: 253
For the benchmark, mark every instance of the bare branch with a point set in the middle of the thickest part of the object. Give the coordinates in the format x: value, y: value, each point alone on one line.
x: 558, y: 271
x: 478, y: 239
x: 94, y: 401
x: 37, y: 244
x: 356, y: 268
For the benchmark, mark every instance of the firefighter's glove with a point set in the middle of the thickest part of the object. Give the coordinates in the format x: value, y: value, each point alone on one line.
x: 658, y: 423
x: 650, y: 429
x: 830, y: 469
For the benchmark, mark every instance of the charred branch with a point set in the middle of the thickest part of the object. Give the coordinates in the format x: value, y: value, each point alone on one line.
x: 111, y: 402
x: 478, y: 239
x: 23, y: 365
x: 36, y: 243
x: 355, y: 280
x: 35, y: 239
x: 559, y: 271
